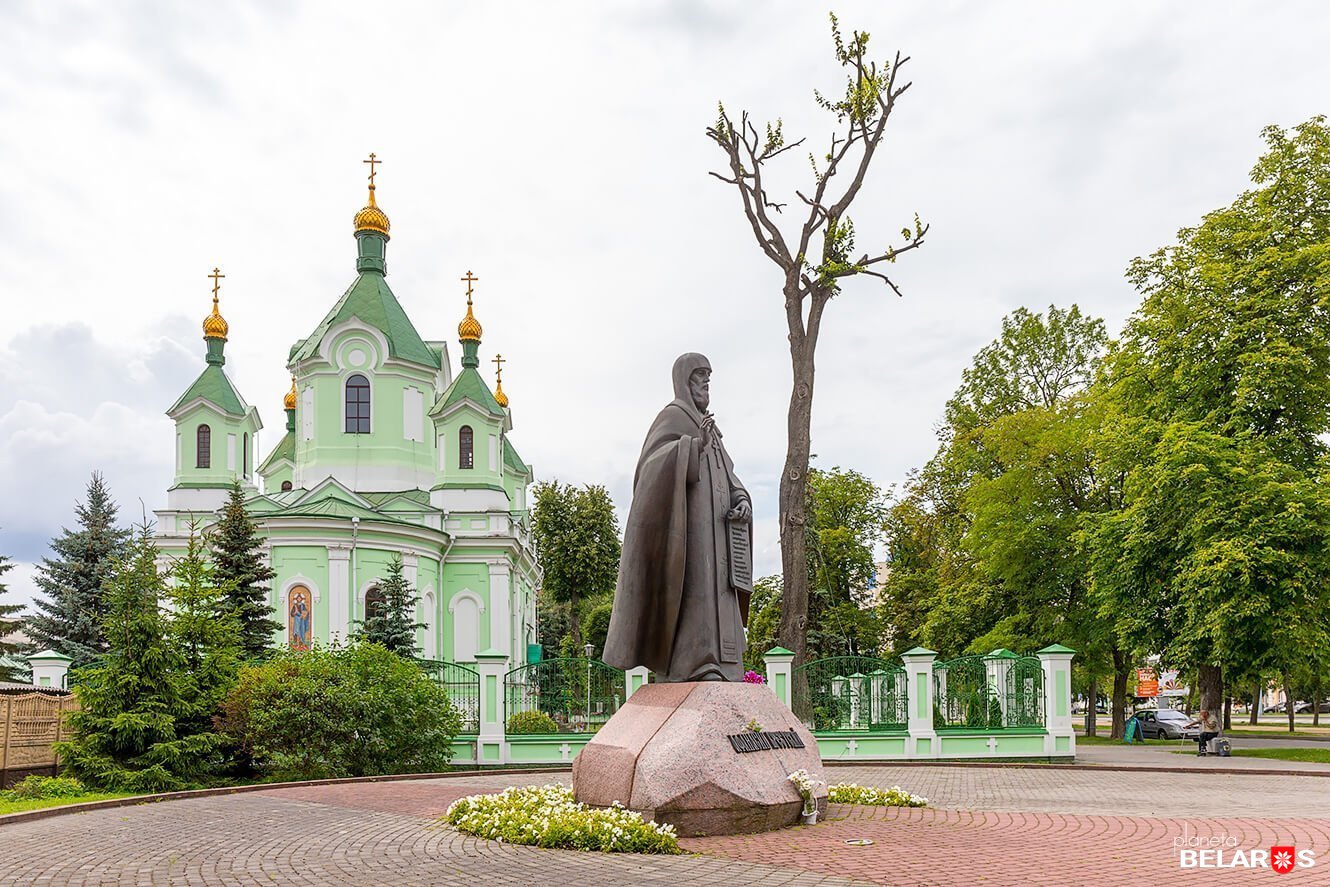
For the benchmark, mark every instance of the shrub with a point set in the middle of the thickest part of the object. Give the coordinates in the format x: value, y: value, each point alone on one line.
x: 853, y: 793
x: 531, y: 722
x: 36, y: 788
x: 358, y: 710
x: 547, y: 816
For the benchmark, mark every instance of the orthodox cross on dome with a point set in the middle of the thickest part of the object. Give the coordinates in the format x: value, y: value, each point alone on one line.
x: 469, y: 279
x: 216, y: 276
x: 372, y: 161
x: 498, y: 362
x: 499, y: 396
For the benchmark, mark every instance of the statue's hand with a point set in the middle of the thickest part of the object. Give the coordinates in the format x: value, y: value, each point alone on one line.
x: 708, y: 426
x: 742, y: 511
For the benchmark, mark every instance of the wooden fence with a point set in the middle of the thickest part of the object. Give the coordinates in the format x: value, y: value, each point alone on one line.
x: 30, y: 725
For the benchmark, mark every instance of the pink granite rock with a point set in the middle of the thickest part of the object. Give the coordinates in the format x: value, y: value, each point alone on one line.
x: 667, y: 754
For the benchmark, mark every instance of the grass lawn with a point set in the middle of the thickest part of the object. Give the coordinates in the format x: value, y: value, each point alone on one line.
x: 1311, y: 755
x: 1102, y: 739
x: 37, y: 804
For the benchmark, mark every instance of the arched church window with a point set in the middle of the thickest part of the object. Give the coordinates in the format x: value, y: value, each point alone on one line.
x: 203, y: 446
x: 357, y: 405
x: 286, y: 486
x: 376, y: 602
x: 465, y: 447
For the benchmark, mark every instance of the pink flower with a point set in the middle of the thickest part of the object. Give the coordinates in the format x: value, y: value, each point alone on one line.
x: 752, y: 677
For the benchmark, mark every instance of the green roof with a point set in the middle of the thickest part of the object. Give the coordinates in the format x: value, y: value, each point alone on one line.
x: 215, y: 387
x: 371, y: 301
x: 1056, y: 648
x: 338, y: 508
x: 512, y: 460
x: 468, y: 385
x: 285, y: 449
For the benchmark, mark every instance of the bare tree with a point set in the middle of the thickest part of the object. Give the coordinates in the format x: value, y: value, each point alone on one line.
x: 861, y: 116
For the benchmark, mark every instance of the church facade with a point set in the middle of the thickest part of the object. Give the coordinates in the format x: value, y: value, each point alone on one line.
x: 386, y: 453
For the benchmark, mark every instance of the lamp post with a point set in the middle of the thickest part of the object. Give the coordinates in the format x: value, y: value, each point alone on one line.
x: 588, y: 648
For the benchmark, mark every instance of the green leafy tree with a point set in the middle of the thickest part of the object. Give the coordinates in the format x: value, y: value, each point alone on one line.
x: 204, y: 631
x: 359, y: 710
x: 1220, y: 397
x: 596, y: 624
x: 131, y: 732
x: 69, y: 617
x: 393, y: 625
x: 811, y: 276
x: 7, y: 625
x: 846, y: 511
x: 239, y: 570
x: 763, y: 621
x: 577, y: 540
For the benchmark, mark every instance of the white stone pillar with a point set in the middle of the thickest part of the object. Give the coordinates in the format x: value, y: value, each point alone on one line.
x: 339, y: 593
x: 779, y: 665
x: 633, y: 679
x: 1061, y: 739
x: 50, y: 669
x: 923, y: 740
x: 500, y: 597
x: 491, y: 744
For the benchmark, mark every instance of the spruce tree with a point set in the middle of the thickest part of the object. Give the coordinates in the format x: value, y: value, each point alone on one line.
x: 69, y: 619
x: 394, y: 625
x: 132, y: 731
x: 7, y: 625
x: 239, y: 570
x: 205, y: 633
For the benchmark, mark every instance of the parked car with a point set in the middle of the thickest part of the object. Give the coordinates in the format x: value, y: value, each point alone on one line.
x: 1166, y: 724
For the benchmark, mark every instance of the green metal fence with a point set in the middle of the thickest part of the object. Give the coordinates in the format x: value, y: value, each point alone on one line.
x: 577, y: 694
x: 1024, y: 693
x: 962, y: 698
x: 463, y: 685
x: 851, y: 693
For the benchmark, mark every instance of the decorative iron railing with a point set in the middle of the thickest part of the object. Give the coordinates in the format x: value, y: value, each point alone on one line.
x: 962, y: 698
x: 1024, y: 693
x: 578, y: 695
x: 851, y: 693
x: 463, y: 685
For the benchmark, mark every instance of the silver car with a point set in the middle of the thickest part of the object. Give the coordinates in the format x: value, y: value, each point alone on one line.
x: 1166, y: 724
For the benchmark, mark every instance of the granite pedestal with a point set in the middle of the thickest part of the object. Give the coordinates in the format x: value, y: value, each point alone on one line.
x: 667, y: 753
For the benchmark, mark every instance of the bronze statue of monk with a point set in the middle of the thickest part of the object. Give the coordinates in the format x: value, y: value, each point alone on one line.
x: 685, y: 576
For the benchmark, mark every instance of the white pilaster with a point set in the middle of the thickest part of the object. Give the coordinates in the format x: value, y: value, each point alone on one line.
x: 780, y: 673
x: 923, y: 741
x: 339, y: 592
x: 500, y: 603
x: 1061, y: 738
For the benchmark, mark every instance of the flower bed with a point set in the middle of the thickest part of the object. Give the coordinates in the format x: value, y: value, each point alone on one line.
x: 547, y: 816
x: 853, y: 793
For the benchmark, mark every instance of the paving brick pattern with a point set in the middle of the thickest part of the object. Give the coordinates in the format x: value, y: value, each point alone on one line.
x: 985, y: 827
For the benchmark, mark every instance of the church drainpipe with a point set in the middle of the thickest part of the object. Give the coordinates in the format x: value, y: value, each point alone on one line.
x: 355, y: 575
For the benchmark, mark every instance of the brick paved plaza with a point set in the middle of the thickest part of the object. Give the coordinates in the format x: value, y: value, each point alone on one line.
x: 985, y: 826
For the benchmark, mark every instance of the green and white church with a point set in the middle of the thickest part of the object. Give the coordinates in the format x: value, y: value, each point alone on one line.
x: 386, y: 452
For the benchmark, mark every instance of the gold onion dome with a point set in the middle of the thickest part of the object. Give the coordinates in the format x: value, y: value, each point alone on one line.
x: 289, y: 402
x: 469, y: 329
x: 214, y: 325
x: 371, y: 218
x: 500, y: 398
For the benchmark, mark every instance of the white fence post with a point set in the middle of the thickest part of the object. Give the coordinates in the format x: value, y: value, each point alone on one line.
x: 923, y: 741
x: 633, y: 679
x: 1061, y: 739
x: 491, y: 744
x: 780, y: 664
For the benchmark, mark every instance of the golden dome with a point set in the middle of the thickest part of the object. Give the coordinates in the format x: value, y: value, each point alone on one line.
x: 469, y: 329
x: 371, y: 218
x: 289, y: 402
x: 499, y: 396
x: 214, y: 325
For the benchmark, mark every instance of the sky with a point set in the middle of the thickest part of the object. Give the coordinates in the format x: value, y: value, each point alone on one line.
x: 558, y: 151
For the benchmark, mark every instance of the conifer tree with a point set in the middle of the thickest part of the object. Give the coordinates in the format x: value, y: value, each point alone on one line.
x: 7, y: 625
x: 132, y: 730
x: 393, y: 625
x: 239, y: 570
x: 205, y: 633
x: 69, y: 619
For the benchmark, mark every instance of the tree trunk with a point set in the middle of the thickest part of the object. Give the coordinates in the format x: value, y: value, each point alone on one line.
x: 793, y: 632
x: 1228, y: 712
x: 1121, y: 671
x: 1210, y: 684
x: 1255, y: 704
x: 1288, y: 704
x: 1091, y: 725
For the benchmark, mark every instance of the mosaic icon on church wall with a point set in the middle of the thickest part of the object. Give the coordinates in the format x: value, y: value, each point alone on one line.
x: 298, y: 609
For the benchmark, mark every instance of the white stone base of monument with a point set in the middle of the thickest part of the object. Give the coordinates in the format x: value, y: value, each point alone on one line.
x: 669, y: 754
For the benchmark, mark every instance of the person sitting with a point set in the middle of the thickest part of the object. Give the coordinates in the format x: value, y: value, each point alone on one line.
x: 1209, y: 725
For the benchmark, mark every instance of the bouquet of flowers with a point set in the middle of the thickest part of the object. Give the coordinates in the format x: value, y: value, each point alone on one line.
x: 752, y: 677
x: 805, y: 785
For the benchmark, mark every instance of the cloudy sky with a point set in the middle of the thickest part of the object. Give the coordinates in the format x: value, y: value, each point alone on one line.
x: 557, y: 150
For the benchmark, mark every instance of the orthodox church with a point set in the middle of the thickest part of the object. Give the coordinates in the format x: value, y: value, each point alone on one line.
x: 386, y: 452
